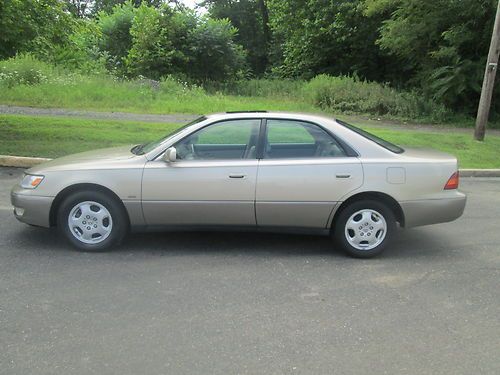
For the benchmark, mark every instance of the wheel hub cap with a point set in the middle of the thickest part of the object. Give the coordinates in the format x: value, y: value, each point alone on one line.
x: 90, y: 222
x: 365, y: 229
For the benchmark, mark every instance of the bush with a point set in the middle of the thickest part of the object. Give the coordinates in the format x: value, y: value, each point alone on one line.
x: 266, y: 88
x: 213, y: 54
x: 24, y: 70
x: 353, y: 96
x: 115, y: 38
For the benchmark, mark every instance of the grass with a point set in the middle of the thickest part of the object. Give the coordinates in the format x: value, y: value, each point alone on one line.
x: 103, y: 94
x: 56, y: 136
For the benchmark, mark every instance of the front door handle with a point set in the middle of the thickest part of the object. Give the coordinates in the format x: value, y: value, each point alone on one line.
x: 236, y: 175
x: 343, y: 175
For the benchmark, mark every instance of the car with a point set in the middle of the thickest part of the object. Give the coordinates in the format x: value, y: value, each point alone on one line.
x: 263, y: 171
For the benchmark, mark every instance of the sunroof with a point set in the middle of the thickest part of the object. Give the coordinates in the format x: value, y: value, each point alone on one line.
x: 257, y: 111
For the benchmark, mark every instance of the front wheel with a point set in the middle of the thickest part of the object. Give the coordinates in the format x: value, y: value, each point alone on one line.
x: 92, y: 221
x: 364, y: 228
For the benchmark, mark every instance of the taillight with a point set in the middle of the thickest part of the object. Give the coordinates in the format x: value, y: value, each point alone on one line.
x: 452, y: 182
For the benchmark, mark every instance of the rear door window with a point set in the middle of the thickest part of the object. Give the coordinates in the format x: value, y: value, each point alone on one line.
x: 287, y: 139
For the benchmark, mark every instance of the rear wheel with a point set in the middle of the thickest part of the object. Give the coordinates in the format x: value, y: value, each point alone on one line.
x: 364, y: 228
x: 92, y: 221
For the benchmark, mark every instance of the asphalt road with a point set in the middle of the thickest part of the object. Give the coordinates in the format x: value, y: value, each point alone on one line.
x: 232, y: 303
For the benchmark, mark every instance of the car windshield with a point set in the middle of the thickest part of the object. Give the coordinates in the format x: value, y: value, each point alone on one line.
x: 146, y: 147
x: 381, y: 142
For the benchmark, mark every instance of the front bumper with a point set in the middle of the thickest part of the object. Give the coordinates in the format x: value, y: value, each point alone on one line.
x: 433, y: 211
x: 32, y: 209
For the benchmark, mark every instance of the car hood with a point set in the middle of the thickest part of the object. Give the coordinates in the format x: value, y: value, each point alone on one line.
x: 96, y: 159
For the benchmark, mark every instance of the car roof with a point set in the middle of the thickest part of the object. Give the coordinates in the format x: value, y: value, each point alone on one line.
x: 266, y: 114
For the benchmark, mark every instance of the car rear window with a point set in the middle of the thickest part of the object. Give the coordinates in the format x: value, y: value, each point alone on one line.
x: 381, y: 142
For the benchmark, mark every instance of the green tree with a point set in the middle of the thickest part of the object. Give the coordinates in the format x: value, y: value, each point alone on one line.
x: 91, y: 8
x: 175, y: 41
x: 151, y: 51
x: 116, y: 39
x: 108, y: 5
x: 251, y: 18
x: 443, y: 44
x: 213, y: 53
x: 328, y: 37
x: 35, y: 26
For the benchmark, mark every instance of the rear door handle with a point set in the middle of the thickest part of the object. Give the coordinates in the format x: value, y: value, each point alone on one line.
x: 343, y: 175
x: 236, y: 175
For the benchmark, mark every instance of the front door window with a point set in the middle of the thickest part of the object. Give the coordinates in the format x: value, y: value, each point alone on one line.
x: 234, y: 139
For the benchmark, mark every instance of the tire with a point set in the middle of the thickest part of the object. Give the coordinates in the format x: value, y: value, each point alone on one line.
x: 92, y: 221
x: 364, y: 228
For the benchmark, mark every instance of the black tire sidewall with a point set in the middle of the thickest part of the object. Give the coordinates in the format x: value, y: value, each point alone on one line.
x: 345, y: 214
x: 120, y: 223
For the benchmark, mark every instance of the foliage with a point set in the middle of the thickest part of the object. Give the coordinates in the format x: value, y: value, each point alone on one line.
x: 91, y: 8
x: 455, y: 83
x: 152, y: 49
x: 81, y: 53
x: 115, y: 38
x: 34, y: 26
x: 24, y: 70
x: 155, y: 42
x: 251, y: 19
x: 443, y: 43
x: 160, y: 41
x: 328, y: 37
x: 213, y: 55
x: 267, y: 88
x: 352, y: 95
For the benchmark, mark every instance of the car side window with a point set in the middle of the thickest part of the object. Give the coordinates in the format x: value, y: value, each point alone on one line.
x: 286, y: 139
x: 232, y: 139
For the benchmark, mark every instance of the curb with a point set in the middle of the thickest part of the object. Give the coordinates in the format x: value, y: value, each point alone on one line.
x: 27, y: 162
x: 479, y: 172
x: 20, y: 161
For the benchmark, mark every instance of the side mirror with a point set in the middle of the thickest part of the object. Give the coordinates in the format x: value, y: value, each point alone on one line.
x: 170, y: 155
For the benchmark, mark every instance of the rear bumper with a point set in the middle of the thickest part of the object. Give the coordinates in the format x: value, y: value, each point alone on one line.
x: 32, y: 209
x: 433, y: 211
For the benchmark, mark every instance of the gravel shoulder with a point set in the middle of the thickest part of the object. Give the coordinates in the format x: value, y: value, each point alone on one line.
x: 31, y: 111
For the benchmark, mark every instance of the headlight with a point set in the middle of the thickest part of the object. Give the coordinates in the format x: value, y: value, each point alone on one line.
x: 31, y: 181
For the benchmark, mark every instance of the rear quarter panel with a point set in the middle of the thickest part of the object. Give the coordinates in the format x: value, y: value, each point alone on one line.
x: 408, y: 180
